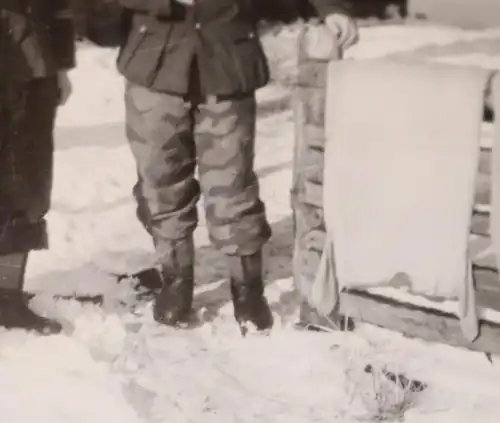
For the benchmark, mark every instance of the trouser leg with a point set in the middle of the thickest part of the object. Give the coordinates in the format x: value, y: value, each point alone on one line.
x: 160, y: 133
x: 236, y: 219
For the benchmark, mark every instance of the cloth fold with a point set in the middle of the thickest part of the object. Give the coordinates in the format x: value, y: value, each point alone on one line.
x: 401, y: 156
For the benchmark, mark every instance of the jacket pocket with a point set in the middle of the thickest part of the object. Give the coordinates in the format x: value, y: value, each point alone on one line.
x: 250, y: 62
x: 133, y: 43
x: 139, y: 57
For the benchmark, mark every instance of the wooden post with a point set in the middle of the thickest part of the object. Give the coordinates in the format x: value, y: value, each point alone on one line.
x: 306, y: 194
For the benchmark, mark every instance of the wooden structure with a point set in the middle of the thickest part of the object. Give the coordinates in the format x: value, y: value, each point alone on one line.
x: 429, y: 322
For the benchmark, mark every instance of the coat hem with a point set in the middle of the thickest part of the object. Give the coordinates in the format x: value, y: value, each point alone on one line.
x: 20, y: 238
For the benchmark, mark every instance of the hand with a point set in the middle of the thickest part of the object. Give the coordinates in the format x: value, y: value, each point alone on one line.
x: 320, y: 44
x: 186, y: 2
x: 344, y: 28
x: 65, y: 87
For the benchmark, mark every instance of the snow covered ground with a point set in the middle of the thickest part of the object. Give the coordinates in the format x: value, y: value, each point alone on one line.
x: 114, y: 364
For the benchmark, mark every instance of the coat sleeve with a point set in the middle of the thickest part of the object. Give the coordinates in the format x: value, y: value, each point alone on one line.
x: 155, y: 7
x: 62, y: 33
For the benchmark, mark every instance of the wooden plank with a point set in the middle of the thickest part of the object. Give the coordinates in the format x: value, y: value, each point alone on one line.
x: 482, y: 193
x: 312, y: 73
x: 481, y: 252
x: 488, y: 289
x: 316, y: 136
x: 313, y: 194
x: 414, y: 321
x: 487, y: 280
x: 482, y: 208
x: 484, y: 165
x: 480, y: 224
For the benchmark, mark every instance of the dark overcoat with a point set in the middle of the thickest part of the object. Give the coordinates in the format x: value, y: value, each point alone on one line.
x: 36, y: 41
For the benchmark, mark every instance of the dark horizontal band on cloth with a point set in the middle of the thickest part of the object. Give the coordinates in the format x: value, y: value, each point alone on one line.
x: 23, y: 237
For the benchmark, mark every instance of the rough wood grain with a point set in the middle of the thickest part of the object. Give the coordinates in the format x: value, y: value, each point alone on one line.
x: 483, y: 189
x: 480, y: 224
x: 485, y: 161
x: 307, y: 198
x: 417, y: 322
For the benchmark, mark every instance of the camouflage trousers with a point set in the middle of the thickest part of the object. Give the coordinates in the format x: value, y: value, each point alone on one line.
x: 27, y: 113
x: 171, y: 136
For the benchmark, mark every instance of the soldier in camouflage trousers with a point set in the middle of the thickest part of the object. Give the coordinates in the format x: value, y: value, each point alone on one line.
x: 192, y: 69
x: 168, y: 141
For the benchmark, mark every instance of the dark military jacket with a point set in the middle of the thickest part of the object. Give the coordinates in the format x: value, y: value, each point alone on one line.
x: 36, y: 38
x: 162, y: 40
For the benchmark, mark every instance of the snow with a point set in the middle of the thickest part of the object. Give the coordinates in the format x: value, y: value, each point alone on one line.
x: 113, y: 363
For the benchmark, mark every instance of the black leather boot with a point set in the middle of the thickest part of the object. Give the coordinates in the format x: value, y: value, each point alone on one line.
x: 173, y: 304
x: 247, y: 291
x: 14, y: 312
